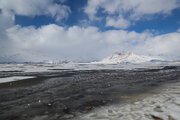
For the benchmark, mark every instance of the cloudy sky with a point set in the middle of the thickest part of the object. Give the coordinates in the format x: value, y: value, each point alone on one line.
x: 87, y: 30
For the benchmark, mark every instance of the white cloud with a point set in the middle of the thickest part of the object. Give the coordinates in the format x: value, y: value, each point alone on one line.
x: 83, y: 43
x: 92, y: 8
x: 119, y: 22
x: 77, y: 43
x: 166, y: 44
x: 63, y: 1
x: 178, y: 30
x: 132, y: 9
x: 6, y: 21
x: 35, y: 8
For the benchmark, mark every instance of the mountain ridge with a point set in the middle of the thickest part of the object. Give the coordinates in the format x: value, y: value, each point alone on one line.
x: 129, y: 57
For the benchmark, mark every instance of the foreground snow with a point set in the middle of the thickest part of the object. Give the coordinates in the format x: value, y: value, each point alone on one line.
x: 162, y: 106
x: 14, y: 78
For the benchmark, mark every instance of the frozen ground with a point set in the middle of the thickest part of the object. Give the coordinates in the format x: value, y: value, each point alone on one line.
x: 14, y: 78
x: 13, y: 72
x: 78, y: 66
x: 164, y: 105
x: 89, y: 91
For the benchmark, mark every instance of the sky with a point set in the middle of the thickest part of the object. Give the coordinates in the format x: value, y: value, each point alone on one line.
x: 88, y: 30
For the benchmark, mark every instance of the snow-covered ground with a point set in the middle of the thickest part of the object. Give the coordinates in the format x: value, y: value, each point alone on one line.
x: 7, y: 69
x: 164, y: 105
x: 14, y: 78
x: 78, y: 66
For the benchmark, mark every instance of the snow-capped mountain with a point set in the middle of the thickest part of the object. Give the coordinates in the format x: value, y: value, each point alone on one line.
x: 128, y: 58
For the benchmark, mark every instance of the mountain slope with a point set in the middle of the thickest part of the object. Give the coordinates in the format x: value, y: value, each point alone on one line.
x: 128, y: 58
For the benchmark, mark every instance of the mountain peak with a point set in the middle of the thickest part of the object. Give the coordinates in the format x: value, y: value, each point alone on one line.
x: 129, y: 57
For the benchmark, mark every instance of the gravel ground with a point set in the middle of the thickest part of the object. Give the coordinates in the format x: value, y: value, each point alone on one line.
x: 69, y: 94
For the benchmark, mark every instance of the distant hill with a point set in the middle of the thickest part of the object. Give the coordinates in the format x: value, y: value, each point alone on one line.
x: 129, y: 58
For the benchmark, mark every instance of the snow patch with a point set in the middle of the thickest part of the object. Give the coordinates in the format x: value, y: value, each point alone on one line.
x: 162, y: 106
x: 14, y: 78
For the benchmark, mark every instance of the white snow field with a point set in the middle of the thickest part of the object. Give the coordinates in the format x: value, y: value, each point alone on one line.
x: 33, y: 68
x: 128, y: 58
x: 164, y: 105
x: 14, y: 78
x: 79, y: 66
